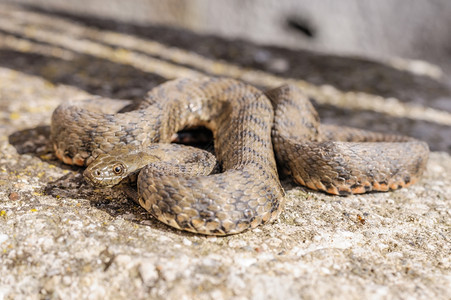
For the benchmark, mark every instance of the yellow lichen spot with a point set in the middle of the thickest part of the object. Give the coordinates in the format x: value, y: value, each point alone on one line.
x: 37, y: 193
x: 217, y: 67
x: 14, y: 116
x: 57, y: 196
x: 48, y: 84
x: 2, y: 213
x: 122, y: 54
x: 33, y: 210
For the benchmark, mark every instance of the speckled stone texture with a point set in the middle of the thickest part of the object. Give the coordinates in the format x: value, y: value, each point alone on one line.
x: 62, y: 239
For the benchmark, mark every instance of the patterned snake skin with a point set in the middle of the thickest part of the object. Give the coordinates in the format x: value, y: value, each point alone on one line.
x: 246, y: 124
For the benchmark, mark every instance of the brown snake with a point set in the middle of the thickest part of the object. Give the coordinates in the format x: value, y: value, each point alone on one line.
x: 246, y: 124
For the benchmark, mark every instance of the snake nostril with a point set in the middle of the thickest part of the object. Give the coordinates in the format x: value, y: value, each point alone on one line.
x: 97, y: 173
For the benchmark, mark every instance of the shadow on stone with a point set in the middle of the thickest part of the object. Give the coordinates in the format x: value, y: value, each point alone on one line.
x: 31, y: 141
x: 115, y: 201
x: 92, y: 74
x: 36, y: 142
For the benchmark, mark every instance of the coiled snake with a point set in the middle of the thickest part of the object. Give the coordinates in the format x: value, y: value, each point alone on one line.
x: 175, y: 184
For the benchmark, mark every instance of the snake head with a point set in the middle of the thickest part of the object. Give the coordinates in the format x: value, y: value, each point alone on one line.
x: 106, y: 171
x: 109, y: 169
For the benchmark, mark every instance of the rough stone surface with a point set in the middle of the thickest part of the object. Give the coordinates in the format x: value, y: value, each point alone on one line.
x: 62, y: 239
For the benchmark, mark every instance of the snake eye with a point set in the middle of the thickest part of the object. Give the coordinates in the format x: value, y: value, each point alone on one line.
x: 118, y: 169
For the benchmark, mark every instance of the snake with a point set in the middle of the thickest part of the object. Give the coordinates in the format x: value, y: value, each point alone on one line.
x: 257, y: 136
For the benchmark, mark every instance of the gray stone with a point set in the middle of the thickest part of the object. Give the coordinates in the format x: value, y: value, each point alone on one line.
x: 62, y: 239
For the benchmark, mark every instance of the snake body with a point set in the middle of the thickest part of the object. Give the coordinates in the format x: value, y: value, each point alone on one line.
x: 246, y: 124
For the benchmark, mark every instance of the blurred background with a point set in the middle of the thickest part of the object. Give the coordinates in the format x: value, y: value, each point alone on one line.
x: 381, y: 65
x: 384, y: 29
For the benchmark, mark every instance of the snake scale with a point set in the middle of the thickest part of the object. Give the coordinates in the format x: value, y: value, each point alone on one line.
x: 249, y: 126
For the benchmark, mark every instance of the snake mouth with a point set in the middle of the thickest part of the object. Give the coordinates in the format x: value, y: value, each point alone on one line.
x: 88, y: 176
x: 93, y: 180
